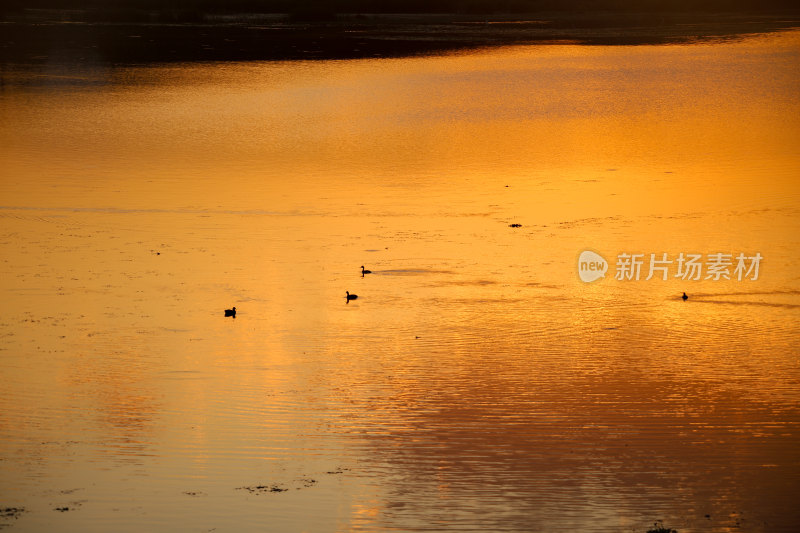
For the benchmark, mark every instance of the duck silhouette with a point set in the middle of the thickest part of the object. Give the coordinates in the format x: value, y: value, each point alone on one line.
x: 231, y: 312
x: 684, y: 297
x: 350, y: 296
x: 365, y: 271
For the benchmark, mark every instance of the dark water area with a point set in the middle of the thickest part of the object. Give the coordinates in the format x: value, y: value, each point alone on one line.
x: 84, y: 38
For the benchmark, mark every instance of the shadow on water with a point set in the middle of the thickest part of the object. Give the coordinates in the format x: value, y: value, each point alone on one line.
x: 411, y: 271
x: 715, y: 298
x: 762, y: 304
x: 751, y: 293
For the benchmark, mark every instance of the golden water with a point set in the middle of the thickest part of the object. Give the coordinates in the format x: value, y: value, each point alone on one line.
x: 476, y: 384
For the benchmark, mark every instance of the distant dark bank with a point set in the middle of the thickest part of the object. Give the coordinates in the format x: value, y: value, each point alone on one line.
x: 331, y: 7
x: 143, y: 31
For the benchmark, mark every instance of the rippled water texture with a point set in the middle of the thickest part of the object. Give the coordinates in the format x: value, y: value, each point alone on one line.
x: 476, y: 384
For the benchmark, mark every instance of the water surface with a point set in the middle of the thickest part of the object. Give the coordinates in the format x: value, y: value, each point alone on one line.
x: 476, y: 384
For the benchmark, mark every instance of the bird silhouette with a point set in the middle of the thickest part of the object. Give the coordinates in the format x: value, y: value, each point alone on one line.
x: 350, y: 296
x: 231, y: 312
x: 684, y: 297
x: 365, y: 271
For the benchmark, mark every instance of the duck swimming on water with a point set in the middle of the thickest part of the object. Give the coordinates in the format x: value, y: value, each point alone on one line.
x: 350, y: 296
x: 231, y: 312
x: 684, y: 297
x: 365, y: 271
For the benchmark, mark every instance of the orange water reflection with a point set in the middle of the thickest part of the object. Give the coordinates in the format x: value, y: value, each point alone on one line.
x: 476, y: 382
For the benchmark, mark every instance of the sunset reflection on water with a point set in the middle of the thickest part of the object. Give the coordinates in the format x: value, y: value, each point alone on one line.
x: 476, y: 383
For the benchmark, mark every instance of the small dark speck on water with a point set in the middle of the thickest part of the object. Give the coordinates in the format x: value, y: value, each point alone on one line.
x: 515, y: 225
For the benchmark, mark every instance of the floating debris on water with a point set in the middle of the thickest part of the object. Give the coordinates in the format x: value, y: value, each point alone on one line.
x: 658, y: 527
x: 11, y: 512
x: 262, y: 489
